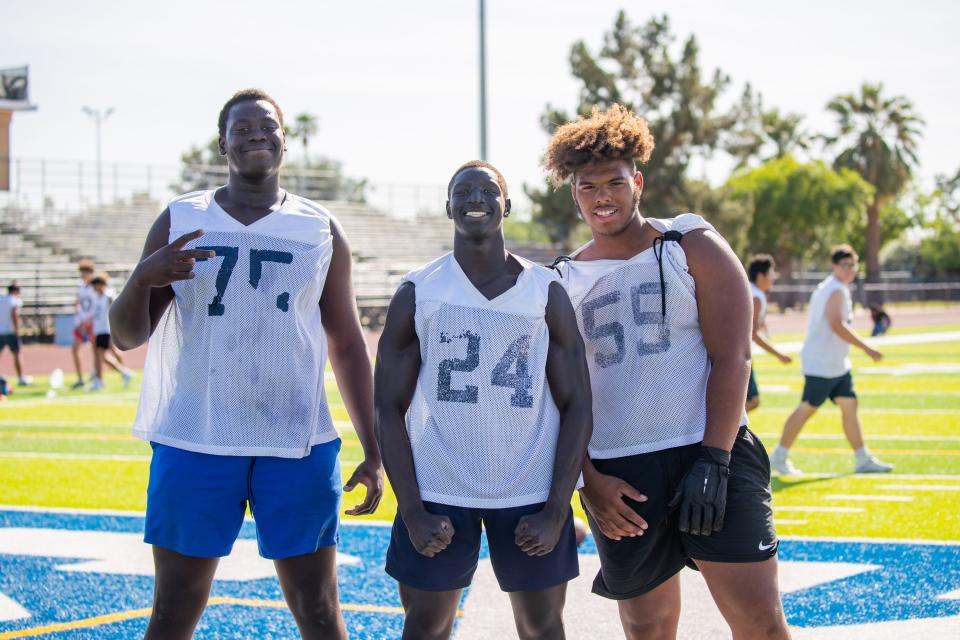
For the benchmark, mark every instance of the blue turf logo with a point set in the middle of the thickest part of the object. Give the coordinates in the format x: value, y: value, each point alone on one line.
x: 70, y: 574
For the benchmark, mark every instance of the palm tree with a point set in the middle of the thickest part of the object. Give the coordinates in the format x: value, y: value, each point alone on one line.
x: 304, y: 127
x: 878, y: 139
x: 784, y: 132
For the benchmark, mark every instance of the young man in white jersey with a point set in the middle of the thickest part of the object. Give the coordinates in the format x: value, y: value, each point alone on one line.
x: 238, y: 291
x: 10, y: 305
x: 825, y: 361
x: 674, y: 477
x: 762, y: 273
x: 483, y: 414
x: 102, y: 299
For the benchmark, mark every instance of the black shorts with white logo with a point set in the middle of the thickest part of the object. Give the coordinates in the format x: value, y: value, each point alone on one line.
x: 631, y: 567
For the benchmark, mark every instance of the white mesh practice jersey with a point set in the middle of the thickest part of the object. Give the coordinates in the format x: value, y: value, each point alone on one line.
x: 759, y: 294
x: 85, y: 298
x: 482, y: 424
x: 236, y: 364
x: 648, y: 372
x: 824, y: 354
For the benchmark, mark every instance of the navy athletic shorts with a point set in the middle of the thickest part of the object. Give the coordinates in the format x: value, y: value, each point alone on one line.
x: 752, y: 389
x: 10, y: 340
x: 453, y: 568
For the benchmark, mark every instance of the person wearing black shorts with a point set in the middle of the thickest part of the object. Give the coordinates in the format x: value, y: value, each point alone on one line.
x: 674, y: 477
x: 825, y: 361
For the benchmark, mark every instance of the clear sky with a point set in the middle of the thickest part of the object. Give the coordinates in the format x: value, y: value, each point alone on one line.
x: 395, y: 83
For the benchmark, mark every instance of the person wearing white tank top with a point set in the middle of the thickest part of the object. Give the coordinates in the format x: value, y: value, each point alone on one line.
x: 674, y: 476
x: 483, y: 415
x: 762, y: 273
x: 826, y: 366
x: 238, y: 290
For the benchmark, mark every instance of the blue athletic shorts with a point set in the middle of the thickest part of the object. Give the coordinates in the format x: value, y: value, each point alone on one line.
x: 453, y: 568
x: 196, y: 501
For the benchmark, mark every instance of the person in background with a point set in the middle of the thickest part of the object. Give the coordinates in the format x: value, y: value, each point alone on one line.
x: 825, y: 359
x: 101, y: 331
x: 881, y: 320
x: 10, y: 305
x: 762, y: 273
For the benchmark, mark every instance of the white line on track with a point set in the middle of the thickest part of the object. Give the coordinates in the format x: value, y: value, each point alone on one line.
x: 73, y: 456
x: 885, y: 341
x: 873, y: 438
x: 879, y: 476
x: 920, y: 487
x: 858, y: 497
x: 821, y: 509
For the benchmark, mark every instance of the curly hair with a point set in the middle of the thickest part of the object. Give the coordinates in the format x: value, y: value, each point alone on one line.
x: 614, y: 134
x: 245, y: 95
x: 479, y: 164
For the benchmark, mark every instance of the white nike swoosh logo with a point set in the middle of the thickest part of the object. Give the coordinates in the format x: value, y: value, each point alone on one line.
x: 767, y: 547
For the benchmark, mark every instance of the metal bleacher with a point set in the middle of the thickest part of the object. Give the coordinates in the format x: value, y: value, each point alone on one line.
x: 42, y: 260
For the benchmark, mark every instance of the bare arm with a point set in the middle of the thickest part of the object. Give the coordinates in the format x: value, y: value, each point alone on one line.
x: 725, y: 311
x: 351, y: 366
x: 569, y: 381
x: 147, y: 293
x: 398, y: 366
x: 761, y: 339
x: 842, y: 329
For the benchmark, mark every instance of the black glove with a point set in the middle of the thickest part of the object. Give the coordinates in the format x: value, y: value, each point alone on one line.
x: 702, y: 494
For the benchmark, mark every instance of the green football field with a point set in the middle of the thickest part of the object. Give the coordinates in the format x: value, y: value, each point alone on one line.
x: 75, y: 450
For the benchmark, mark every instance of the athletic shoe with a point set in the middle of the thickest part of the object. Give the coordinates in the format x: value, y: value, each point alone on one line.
x: 25, y: 381
x: 96, y: 385
x: 127, y: 377
x: 783, y: 466
x: 79, y: 384
x: 872, y: 465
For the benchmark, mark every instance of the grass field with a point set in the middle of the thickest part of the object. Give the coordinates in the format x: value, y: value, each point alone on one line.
x: 76, y: 451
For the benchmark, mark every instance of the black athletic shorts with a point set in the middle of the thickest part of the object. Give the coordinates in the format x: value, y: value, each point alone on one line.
x: 11, y: 340
x: 816, y: 390
x: 102, y: 341
x: 631, y: 567
x: 752, y: 389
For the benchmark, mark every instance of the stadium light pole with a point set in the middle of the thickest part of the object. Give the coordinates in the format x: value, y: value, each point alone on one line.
x: 99, y: 117
x: 483, y: 81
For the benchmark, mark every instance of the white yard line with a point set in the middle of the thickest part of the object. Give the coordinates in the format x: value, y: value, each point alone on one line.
x: 884, y: 341
x: 873, y: 437
x: 859, y: 497
x: 920, y: 487
x: 812, y: 509
x: 878, y: 476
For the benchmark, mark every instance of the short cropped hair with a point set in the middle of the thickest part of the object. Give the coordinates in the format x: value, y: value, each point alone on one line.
x: 85, y: 265
x: 13, y: 288
x: 759, y: 263
x: 614, y: 134
x: 842, y: 252
x: 479, y: 164
x: 245, y: 95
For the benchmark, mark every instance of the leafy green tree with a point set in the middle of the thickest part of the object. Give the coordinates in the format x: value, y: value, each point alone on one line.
x: 877, y: 136
x: 637, y: 66
x: 729, y: 213
x: 799, y: 209
x: 940, y: 251
x: 304, y: 127
x: 764, y: 134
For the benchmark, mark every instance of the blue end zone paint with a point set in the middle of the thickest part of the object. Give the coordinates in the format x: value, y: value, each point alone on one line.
x: 904, y: 587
